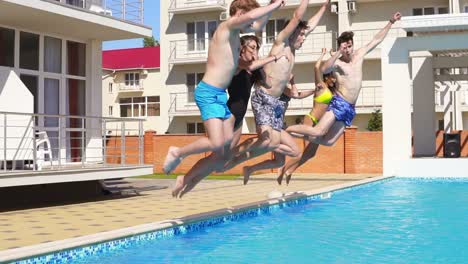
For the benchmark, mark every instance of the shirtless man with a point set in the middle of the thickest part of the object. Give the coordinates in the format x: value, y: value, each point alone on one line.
x: 347, y: 66
x: 210, y: 94
x: 268, y: 109
x: 247, y: 74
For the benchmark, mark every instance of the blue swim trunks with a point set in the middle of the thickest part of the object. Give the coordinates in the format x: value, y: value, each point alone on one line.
x: 342, y: 110
x: 211, y: 101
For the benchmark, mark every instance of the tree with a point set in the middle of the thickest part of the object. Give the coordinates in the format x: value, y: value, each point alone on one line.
x: 375, y: 123
x: 150, y: 42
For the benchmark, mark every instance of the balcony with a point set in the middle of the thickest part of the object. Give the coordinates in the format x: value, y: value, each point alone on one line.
x: 370, y: 98
x: 311, y: 48
x: 193, y: 6
x: 38, y: 148
x: 293, y: 3
x: 182, y: 104
x: 188, y: 51
x: 130, y: 10
x: 81, y: 20
x: 136, y: 86
x: 364, y: 36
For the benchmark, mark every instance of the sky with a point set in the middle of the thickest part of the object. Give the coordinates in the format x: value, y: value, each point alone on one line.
x: 151, y: 16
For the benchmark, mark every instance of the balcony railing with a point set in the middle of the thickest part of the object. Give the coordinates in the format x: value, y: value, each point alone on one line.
x: 131, y: 87
x: 34, y: 142
x: 364, y: 36
x: 370, y: 96
x: 129, y: 10
x: 196, y: 50
x: 185, y: 51
x: 312, y: 45
x: 292, y: 3
x: 196, y: 5
x: 182, y: 103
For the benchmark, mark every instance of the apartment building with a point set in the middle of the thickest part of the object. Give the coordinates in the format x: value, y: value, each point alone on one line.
x: 52, y: 129
x: 186, y: 27
x: 132, y: 86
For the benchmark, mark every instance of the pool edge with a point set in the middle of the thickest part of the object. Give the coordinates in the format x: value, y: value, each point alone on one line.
x: 28, y: 252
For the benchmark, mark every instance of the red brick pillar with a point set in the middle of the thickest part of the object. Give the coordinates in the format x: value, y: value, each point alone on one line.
x: 350, y: 150
x: 149, y: 147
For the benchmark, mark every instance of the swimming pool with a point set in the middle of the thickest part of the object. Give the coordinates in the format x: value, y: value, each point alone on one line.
x: 395, y: 221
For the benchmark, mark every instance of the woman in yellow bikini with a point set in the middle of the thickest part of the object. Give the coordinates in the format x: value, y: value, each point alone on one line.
x: 324, y: 89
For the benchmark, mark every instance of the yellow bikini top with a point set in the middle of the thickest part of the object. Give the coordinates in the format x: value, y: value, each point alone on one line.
x: 324, y: 98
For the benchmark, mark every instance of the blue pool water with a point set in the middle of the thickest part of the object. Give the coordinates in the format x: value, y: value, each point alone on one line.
x: 396, y: 221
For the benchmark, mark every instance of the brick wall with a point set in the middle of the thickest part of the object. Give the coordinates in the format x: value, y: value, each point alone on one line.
x: 354, y: 152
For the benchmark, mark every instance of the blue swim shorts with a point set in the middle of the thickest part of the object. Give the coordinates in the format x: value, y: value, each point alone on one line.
x: 211, y: 101
x: 343, y: 110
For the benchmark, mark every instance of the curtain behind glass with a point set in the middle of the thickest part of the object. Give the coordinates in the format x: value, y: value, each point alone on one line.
x: 52, y: 55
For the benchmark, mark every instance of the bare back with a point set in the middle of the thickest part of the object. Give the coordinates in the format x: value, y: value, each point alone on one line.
x: 223, y: 54
x: 278, y: 74
x: 349, y: 78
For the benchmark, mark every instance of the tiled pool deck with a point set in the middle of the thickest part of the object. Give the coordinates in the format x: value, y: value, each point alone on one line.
x: 29, y: 230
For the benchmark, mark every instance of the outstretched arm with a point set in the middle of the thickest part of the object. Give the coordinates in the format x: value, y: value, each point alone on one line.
x: 313, y: 21
x: 317, y: 70
x: 326, y: 66
x: 291, y: 26
x: 379, y: 37
x: 253, y: 15
x: 293, y: 92
x: 257, y: 64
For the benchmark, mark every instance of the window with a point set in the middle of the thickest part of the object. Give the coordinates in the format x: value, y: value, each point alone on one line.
x: 132, y: 79
x: 465, y: 10
x: 198, y: 33
x: 7, y: 47
x: 76, y: 58
x: 140, y: 106
x: 52, y: 55
x: 110, y: 87
x: 29, y: 51
x: 195, y: 128
x: 31, y: 82
x: 417, y: 11
x: 430, y: 11
x: 192, y: 80
x: 442, y: 10
x: 110, y: 110
x: 273, y: 27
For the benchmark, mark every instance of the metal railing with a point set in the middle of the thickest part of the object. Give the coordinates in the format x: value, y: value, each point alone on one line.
x: 312, y: 45
x: 134, y: 87
x: 188, y: 4
x: 292, y: 2
x: 196, y: 50
x: 370, y: 96
x: 182, y: 103
x: 129, y: 10
x: 364, y: 36
x: 34, y: 142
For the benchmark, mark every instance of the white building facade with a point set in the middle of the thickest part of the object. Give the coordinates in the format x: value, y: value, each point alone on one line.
x: 186, y: 27
x: 54, y: 49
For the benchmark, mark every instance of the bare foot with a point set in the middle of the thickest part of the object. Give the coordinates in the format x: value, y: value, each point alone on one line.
x: 288, y: 177
x: 280, y: 175
x: 246, y: 173
x: 172, y: 160
x: 178, y: 187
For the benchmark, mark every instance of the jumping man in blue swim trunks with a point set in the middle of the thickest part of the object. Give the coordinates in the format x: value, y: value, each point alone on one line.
x: 347, y: 66
x: 210, y: 94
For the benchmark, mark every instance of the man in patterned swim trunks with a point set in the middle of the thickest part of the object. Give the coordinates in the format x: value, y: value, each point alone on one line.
x: 347, y: 66
x: 267, y: 108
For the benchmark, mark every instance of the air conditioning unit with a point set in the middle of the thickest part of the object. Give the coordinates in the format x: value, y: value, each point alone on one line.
x: 334, y: 8
x: 352, y: 6
x: 223, y: 16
